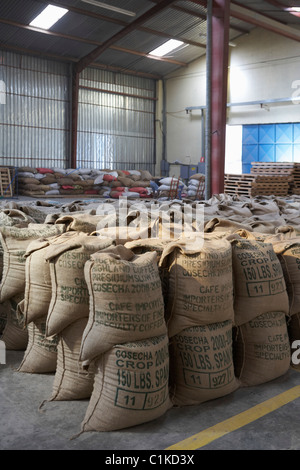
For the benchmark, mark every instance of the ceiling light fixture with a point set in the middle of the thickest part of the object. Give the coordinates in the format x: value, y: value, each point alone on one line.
x: 165, y: 48
x: 109, y: 7
x: 48, y: 17
x: 293, y: 9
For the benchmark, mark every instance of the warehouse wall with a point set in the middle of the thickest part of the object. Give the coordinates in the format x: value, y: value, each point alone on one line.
x: 34, y: 117
x: 116, y: 116
x: 263, y: 66
x: 185, y: 87
x: 116, y: 121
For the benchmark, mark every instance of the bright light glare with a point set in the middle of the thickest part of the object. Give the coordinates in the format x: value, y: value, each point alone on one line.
x: 166, y: 47
x: 49, y: 16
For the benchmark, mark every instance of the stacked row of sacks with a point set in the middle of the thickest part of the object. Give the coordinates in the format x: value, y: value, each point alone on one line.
x: 262, y: 346
x: 37, y: 182
x: 87, y: 342
x: 286, y: 246
x: 196, y: 187
x: 109, y: 317
x: 16, y: 234
x: 172, y: 187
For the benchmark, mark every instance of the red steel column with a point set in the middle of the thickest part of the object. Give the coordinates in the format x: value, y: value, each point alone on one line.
x: 219, y: 81
x: 74, y: 117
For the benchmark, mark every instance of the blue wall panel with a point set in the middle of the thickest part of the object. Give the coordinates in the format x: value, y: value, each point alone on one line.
x: 284, y: 133
x: 284, y: 153
x: 297, y: 133
x: 250, y: 135
x: 266, y: 153
x: 266, y: 134
x: 270, y: 143
x: 297, y: 153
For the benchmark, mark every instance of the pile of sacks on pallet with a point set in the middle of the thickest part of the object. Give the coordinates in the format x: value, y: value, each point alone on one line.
x: 172, y: 187
x: 37, y: 182
x: 136, y: 325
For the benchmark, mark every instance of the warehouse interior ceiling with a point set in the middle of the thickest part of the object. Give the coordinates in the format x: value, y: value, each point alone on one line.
x: 118, y: 35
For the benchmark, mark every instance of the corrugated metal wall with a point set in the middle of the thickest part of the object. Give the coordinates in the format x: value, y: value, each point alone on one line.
x: 34, y: 116
x: 116, y: 127
x: 116, y: 121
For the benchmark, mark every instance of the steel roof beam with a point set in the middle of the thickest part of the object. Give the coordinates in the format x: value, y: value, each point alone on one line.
x: 283, y: 7
x: 110, y: 19
x: 85, y: 61
x: 257, y: 19
x: 87, y: 41
x: 97, y: 65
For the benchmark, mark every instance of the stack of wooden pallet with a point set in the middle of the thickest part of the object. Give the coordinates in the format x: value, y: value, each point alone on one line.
x: 263, y: 180
x: 268, y: 185
x: 7, y: 181
x: 295, y: 186
x: 281, y: 173
x: 239, y: 184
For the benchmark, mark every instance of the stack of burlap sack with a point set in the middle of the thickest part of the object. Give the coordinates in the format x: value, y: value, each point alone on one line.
x: 139, y: 317
x: 37, y: 182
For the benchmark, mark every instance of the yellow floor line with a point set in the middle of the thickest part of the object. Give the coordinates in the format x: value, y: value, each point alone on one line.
x: 221, y: 429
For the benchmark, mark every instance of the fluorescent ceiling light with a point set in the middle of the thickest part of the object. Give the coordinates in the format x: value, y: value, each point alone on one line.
x: 109, y: 7
x: 166, y: 48
x: 49, y: 16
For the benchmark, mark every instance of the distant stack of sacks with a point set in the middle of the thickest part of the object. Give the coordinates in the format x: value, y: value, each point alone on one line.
x: 171, y: 187
x: 37, y: 182
x: 196, y: 186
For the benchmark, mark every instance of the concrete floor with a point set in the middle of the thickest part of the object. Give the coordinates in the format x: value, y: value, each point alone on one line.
x: 24, y: 427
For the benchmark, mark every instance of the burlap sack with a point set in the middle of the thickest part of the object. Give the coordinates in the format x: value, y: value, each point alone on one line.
x: 250, y: 235
x: 287, y: 231
x: 14, y: 243
x: 41, y: 353
x: 288, y: 253
x: 71, y: 381
x: 261, y: 349
x: 218, y: 224
x: 38, y: 288
x: 126, y: 302
x: 82, y: 222
x: 70, y: 296
x: 10, y: 217
x: 4, y: 307
x: 32, y: 193
x: 14, y: 334
x: 200, y: 283
x: 131, y: 386
x: 259, y: 284
x: 139, y: 247
x: 293, y: 325
x: 201, y: 364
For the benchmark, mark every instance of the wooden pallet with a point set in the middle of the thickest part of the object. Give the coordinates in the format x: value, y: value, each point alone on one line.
x: 256, y: 184
x: 286, y: 170
x: 6, y: 182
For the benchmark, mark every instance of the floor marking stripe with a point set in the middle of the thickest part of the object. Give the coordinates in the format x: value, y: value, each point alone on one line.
x: 238, y: 421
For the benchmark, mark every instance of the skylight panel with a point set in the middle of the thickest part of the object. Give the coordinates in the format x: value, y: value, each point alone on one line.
x: 49, y: 16
x: 167, y: 47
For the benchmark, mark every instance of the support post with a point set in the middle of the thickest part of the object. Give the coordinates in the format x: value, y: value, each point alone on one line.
x: 74, y: 117
x: 208, y: 100
x: 219, y: 83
